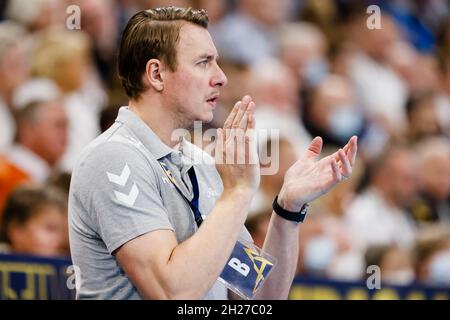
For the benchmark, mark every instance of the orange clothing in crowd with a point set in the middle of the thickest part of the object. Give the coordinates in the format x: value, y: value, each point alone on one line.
x: 10, y: 177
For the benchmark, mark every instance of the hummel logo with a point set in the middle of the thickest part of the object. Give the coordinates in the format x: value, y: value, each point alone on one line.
x: 130, y: 198
x: 121, y: 180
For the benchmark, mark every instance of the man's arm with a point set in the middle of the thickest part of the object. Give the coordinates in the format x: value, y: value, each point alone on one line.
x: 306, y: 180
x: 160, y: 267
x: 163, y: 269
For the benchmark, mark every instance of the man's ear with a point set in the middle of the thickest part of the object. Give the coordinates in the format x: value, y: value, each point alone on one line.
x: 153, y: 74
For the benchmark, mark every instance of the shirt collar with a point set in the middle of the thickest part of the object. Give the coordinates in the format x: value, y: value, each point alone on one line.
x: 143, y: 132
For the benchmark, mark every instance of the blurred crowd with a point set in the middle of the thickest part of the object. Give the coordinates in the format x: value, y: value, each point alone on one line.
x: 314, y: 68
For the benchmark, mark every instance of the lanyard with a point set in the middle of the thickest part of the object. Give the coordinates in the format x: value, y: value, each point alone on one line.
x: 193, y: 204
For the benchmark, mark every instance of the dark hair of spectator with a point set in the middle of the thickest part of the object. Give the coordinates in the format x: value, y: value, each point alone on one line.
x: 24, y: 202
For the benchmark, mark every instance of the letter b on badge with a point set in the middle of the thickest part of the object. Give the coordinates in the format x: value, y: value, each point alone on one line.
x: 240, y: 267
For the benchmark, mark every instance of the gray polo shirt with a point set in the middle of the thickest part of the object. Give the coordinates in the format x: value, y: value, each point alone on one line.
x: 120, y: 191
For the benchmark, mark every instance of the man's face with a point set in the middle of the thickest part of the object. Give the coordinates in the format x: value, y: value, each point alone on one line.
x: 43, y: 234
x: 14, y: 67
x: 191, y: 91
x: 50, y: 134
x: 403, y: 178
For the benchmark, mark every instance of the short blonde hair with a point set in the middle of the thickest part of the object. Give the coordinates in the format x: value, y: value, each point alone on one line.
x: 54, y: 49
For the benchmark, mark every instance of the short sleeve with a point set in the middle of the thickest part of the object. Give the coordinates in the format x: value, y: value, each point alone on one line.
x: 121, y: 194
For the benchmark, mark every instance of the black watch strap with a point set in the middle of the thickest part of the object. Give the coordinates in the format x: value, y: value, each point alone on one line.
x: 289, y: 215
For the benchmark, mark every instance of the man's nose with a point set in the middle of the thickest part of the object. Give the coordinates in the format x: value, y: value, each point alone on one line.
x: 219, y: 79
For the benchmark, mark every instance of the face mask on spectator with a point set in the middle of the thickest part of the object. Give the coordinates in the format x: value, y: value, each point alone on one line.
x: 344, y: 121
x: 315, y: 71
x: 439, y: 271
x: 402, y: 277
x: 319, y: 253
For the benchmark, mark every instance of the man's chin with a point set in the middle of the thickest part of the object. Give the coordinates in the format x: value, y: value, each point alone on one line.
x: 207, y: 118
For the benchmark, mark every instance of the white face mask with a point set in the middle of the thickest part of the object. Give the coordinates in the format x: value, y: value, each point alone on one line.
x: 319, y: 253
x: 315, y: 71
x: 401, y: 277
x: 344, y: 122
x: 439, y: 269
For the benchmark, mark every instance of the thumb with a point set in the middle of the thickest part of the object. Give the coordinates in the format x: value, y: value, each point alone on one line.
x: 315, y: 147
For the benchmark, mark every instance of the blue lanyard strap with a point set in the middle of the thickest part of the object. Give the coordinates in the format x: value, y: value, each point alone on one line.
x: 193, y: 204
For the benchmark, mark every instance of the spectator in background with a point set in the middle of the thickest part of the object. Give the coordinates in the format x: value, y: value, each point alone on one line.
x: 41, y: 141
x: 303, y: 49
x: 13, y: 72
x: 394, y: 262
x: 433, y: 205
x: 432, y: 257
x: 257, y: 224
x: 422, y: 117
x: 280, y: 154
x: 216, y: 10
x: 248, y: 34
x: 35, y: 90
x: 419, y: 72
x: 35, y: 222
x: 276, y: 91
x: 100, y: 22
x: 382, y: 91
x: 377, y: 216
x: 443, y: 95
x: 326, y: 245
x: 63, y: 56
x: 332, y: 111
x: 36, y: 15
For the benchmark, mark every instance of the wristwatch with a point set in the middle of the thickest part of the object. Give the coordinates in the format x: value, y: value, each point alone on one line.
x: 289, y: 215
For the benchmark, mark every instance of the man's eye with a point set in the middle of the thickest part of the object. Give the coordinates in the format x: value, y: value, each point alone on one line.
x: 203, y: 63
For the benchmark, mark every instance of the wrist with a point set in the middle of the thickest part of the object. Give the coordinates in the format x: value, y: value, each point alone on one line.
x: 239, y: 192
x: 289, y: 215
x: 287, y: 204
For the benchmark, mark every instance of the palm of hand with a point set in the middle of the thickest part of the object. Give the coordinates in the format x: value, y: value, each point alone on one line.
x: 309, y: 178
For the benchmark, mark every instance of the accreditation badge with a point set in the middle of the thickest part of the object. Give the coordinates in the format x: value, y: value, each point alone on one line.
x: 247, y: 269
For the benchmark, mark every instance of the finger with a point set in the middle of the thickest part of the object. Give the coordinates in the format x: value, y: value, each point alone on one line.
x: 251, y: 118
x: 248, y: 114
x: 314, y: 148
x: 250, y: 134
x: 336, y: 173
x: 346, y: 168
x: 352, y: 150
x: 229, y: 121
x: 241, y: 111
x: 218, y: 150
x: 240, y: 148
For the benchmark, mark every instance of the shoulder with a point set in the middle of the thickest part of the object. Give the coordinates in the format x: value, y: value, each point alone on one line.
x: 114, y: 145
x: 118, y: 156
x: 107, y: 153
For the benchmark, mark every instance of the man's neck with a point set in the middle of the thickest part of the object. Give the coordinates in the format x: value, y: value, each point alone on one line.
x: 157, y: 117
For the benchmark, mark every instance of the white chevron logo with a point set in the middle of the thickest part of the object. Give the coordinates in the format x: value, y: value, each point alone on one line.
x: 122, y: 179
x: 130, y: 198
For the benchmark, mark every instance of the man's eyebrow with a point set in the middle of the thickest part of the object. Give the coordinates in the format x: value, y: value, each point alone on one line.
x: 209, y: 57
